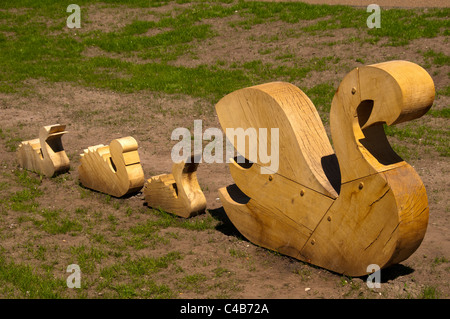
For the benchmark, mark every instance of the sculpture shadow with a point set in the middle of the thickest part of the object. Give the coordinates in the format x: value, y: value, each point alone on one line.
x: 225, y: 226
x: 393, y: 272
x: 126, y: 196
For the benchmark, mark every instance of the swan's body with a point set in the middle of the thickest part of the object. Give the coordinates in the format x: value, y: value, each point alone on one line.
x: 115, y: 169
x: 45, y: 155
x: 178, y: 193
x: 342, y: 210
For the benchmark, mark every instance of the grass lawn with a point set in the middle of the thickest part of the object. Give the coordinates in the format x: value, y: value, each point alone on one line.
x: 144, y: 67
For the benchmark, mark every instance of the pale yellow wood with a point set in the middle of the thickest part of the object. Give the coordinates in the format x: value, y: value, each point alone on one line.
x: 115, y: 169
x: 261, y: 225
x: 379, y: 211
x: 303, y: 140
x: 178, y: 193
x: 282, y: 197
x: 400, y: 91
x: 381, y: 223
x: 46, y: 154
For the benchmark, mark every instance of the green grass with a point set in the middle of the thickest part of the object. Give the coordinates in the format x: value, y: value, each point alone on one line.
x: 10, y: 139
x: 87, y: 257
x: 237, y: 253
x: 23, y: 200
x: 169, y: 220
x: 27, y: 283
x: 430, y: 292
x: 405, y: 152
x: 21, y: 55
x: 422, y: 135
x: 402, y: 26
x: 147, y: 265
x: 142, y: 289
x: 321, y: 95
x: 260, y: 72
x: 165, y: 46
x: 140, y: 270
x: 444, y: 113
x: 437, y: 58
x: 53, y: 223
x: 194, y: 282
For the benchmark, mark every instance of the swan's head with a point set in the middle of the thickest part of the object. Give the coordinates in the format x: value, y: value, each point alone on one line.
x: 368, y: 97
x: 393, y: 92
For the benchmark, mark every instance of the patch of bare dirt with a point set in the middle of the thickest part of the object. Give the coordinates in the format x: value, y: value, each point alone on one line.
x: 242, y: 270
x: 262, y: 42
x: 108, y: 19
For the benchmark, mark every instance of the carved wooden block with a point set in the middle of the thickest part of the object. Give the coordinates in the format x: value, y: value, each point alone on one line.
x: 178, y: 193
x: 45, y: 154
x: 114, y: 169
x: 342, y: 210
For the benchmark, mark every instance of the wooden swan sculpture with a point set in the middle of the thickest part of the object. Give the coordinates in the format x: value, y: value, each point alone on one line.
x: 45, y: 154
x: 115, y: 169
x: 342, y: 210
x: 178, y: 193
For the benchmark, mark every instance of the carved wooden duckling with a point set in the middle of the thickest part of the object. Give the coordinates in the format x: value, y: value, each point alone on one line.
x: 342, y: 210
x: 114, y: 169
x: 179, y: 192
x: 45, y: 154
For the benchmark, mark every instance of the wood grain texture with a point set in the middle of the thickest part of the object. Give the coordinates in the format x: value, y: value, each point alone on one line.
x: 178, y: 193
x: 378, y: 212
x: 114, y: 169
x: 46, y: 154
x: 302, y: 137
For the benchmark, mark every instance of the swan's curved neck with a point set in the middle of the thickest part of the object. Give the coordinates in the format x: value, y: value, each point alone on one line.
x: 360, y: 151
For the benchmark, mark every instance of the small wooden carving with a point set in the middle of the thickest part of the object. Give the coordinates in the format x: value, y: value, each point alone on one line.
x: 342, y: 210
x: 178, y: 193
x: 115, y: 169
x: 45, y: 154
